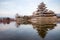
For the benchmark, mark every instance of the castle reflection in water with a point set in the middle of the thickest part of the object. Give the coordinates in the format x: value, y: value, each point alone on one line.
x: 41, y: 28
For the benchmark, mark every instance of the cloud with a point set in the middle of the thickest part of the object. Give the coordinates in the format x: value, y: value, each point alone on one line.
x: 25, y: 7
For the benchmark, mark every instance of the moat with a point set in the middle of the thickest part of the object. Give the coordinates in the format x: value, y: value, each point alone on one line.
x: 13, y: 31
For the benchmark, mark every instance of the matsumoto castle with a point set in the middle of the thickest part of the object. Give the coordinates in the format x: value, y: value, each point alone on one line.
x: 40, y: 16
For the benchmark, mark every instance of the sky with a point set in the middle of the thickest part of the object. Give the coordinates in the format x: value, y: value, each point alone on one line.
x: 9, y: 8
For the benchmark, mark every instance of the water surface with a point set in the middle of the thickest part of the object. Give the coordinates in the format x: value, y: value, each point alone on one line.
x: 13, y: 31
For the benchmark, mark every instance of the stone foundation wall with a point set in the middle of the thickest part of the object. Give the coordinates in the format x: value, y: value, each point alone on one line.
x: 46, y: 20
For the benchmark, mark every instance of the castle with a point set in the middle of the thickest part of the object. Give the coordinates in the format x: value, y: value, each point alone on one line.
x: 43, y: 15
x: 40, y: 16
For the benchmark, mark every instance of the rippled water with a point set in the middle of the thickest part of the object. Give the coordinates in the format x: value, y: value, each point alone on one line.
x: 29, y: 32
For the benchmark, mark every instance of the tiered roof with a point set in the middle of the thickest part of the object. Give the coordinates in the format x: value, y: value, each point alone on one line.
x: 42, y: 11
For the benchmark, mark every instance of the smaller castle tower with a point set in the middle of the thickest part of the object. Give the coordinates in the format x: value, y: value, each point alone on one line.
x: 19, y: 19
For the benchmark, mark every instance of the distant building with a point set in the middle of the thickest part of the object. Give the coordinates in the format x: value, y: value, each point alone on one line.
x: 0, y: 20
x: 58, y: 17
